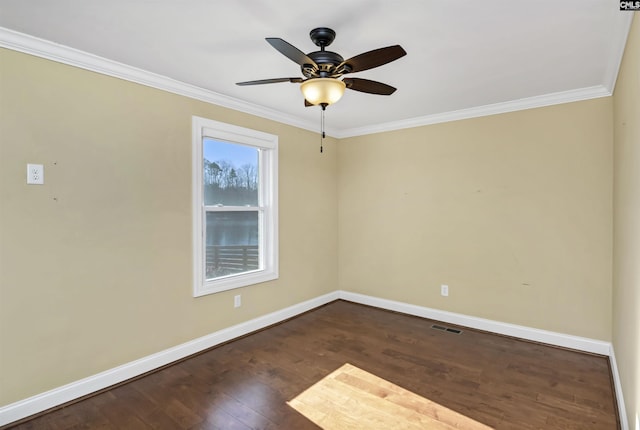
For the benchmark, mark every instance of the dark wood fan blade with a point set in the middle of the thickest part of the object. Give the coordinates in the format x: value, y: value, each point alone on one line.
x: 306, y: 103
x: 367, y: 86
x: 371, y: 59
x: 291, y: 52
x: 270, y: 81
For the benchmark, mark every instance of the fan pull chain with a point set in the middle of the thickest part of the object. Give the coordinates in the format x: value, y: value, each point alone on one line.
x: 322, y: 128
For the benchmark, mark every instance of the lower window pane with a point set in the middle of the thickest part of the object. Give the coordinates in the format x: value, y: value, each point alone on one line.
x: 231, y: 243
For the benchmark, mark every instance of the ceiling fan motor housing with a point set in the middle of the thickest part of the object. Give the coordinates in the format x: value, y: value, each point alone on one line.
x: 326, y: 61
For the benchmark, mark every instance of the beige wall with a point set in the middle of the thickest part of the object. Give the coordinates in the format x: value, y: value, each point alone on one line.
x: 95, y: 266
x: 512, y: 211
x: 626, y: 250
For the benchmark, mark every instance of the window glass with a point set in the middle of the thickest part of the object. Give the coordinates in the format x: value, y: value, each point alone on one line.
x: 232, y: 243
x: 230, y: 174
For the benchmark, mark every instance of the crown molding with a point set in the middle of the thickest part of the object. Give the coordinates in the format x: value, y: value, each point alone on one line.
x: 479, y: 111
x: 619, y: 42
x: 74, y: 57
x: 63, y: 54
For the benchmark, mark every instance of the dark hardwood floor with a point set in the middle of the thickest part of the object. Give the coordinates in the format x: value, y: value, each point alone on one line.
x: 498, y: 381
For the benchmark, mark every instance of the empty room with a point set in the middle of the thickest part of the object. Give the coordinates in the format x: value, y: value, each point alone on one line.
x: 329, y: 215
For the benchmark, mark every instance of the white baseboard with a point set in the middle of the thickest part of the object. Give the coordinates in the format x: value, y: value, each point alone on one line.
x: 74, y: 390
x: 522, y: 332
x: 617, y: 385
x: 58, y: 396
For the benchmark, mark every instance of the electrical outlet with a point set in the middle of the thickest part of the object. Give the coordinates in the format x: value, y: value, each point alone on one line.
x: 237, y: 301
x: 444, y: 290
x: 35, y: 174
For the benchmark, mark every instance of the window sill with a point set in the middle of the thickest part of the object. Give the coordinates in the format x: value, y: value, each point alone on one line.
x: 235, y: 281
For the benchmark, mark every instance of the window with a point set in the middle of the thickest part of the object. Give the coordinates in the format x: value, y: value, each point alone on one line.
x: 235, y: 220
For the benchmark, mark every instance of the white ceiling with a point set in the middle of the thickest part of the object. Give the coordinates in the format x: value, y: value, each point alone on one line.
x: 464, y: 57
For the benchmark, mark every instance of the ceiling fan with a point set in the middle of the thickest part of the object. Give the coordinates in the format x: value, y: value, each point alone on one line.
x: 323, y: 69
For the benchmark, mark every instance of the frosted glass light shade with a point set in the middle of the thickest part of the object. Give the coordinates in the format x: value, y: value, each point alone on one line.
x: 322, y: 90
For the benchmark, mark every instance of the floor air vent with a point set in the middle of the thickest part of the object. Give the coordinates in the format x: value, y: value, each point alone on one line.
x: 447, y: 329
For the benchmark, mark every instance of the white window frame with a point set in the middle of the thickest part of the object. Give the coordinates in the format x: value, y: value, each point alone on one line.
x: 267, y: 144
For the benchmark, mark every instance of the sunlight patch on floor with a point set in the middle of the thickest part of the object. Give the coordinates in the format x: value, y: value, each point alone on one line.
x: 350, y: 398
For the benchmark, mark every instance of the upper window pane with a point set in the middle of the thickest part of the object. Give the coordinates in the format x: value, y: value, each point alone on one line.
x: 230, y: 173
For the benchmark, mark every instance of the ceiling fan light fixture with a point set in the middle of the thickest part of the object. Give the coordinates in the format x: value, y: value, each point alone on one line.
x: 322, y: 91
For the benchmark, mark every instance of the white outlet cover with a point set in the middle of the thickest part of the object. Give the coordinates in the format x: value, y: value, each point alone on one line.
x: 444, y: 290
x: 35, y: 174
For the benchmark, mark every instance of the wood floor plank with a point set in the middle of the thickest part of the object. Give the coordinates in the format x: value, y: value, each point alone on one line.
x: 501, y: 382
